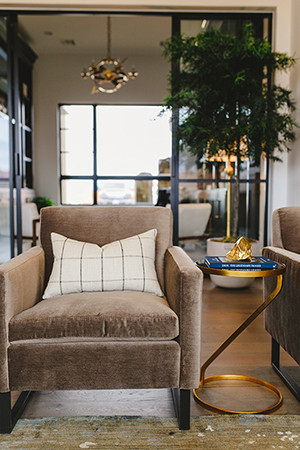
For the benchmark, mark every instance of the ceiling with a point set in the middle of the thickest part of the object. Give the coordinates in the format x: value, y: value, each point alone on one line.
x: 81, y: 34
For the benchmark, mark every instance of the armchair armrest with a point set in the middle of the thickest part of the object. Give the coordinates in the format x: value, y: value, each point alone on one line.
x: 183, y: 288
x: 282, y: 315
x: 21, y: 286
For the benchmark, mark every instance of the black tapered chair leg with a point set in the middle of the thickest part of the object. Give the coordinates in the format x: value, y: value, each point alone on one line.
x: 182, y: 403
x: 9, y: 416
x: 282, y: 372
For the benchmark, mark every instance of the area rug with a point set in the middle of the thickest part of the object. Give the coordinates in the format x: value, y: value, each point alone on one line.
x: 255, y: 432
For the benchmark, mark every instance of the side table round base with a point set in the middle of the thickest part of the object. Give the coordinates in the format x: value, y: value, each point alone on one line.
x: 268, y: 410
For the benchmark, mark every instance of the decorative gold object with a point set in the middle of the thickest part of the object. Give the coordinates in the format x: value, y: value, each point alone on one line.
x: 108, y: 70
x: 204, y: 381
x: 241, y: 250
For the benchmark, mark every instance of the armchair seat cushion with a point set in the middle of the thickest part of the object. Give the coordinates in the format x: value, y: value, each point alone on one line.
x: 109, y: 315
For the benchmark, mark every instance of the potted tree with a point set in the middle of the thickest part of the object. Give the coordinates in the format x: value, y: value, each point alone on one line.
x: 228, y: 100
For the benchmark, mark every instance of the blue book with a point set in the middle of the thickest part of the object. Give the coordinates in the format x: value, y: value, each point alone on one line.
x: 256, y: 263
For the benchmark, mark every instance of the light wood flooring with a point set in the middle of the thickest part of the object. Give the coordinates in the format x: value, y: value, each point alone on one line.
x: 223, y: 311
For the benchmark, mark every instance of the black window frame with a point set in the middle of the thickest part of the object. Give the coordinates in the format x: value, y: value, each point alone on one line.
x: 95, y: 177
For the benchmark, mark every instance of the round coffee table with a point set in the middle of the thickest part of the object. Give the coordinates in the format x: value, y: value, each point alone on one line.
x: 240, y: 273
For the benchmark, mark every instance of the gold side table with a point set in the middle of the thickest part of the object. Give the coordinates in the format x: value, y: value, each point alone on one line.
x: 240, y: 273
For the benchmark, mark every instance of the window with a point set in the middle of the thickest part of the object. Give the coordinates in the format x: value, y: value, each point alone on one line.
x: 113, y: 155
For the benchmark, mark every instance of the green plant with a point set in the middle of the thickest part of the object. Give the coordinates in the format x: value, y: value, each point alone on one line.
x: 227, y: 99
x: 41, y: 202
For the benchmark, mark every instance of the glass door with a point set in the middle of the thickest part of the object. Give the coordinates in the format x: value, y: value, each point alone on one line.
x: 199, y: 181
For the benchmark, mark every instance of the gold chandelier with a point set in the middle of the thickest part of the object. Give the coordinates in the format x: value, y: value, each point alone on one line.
x: 109, y: 71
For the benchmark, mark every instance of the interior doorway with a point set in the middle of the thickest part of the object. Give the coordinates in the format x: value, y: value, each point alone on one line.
x: 64, y: 44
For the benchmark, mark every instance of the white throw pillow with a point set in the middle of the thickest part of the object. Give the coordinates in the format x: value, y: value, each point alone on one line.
x: 126, y: 265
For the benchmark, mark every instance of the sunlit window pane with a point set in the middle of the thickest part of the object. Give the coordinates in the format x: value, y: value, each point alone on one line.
x: 77, y: 192
x: 4, y: 146
x: 127, y: 192
x: 116, y: 192
x: 132, y: 140
x: 76, y: 137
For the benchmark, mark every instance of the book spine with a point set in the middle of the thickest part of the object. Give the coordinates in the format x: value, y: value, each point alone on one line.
x: 243, y: 267
x: 246, y: 269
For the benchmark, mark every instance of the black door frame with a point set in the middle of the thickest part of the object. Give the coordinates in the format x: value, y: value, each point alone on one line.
x: 14, y: 103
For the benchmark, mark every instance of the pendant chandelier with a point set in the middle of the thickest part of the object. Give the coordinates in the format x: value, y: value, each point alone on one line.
x: 108, y: 71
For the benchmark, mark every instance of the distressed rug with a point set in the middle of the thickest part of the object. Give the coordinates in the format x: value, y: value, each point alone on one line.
x: 227, y: 432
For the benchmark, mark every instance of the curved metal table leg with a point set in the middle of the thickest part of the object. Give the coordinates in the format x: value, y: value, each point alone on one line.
x: 220, y: 350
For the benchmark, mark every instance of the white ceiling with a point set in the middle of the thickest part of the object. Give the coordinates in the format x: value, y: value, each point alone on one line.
x: 130, y: 35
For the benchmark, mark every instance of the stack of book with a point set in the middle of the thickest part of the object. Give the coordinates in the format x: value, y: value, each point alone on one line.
x: 256, y: 263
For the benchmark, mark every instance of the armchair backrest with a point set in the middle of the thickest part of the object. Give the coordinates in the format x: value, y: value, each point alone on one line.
x: 286, y: 228
x: 104, y: 224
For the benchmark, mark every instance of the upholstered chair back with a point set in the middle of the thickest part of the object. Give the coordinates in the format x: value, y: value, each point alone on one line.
x: 285, y: 227
x: 101, y: 225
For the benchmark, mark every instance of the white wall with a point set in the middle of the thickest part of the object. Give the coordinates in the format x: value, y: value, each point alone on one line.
x: 293, y: 158
x: 56, y: 79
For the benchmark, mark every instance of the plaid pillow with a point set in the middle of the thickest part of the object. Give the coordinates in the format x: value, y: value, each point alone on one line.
x: 126, y: 265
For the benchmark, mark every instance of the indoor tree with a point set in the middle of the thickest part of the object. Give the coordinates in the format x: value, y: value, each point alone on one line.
x: 228, y: 100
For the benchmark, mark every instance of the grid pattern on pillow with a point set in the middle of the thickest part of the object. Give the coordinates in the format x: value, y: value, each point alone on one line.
x: 125, y: 265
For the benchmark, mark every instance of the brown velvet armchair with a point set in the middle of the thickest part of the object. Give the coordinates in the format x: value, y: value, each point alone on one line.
x: 116, y: 339
x: 282, y: 315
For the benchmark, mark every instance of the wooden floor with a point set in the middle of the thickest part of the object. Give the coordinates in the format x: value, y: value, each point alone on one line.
x: 223, y: 311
